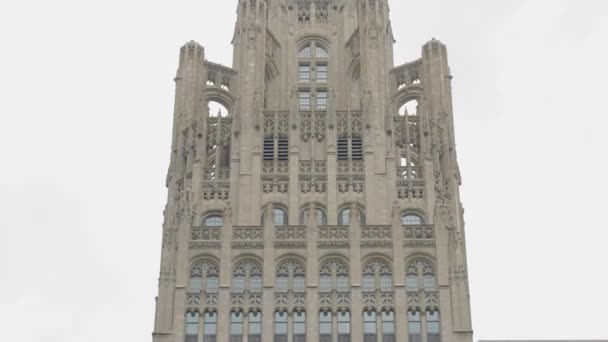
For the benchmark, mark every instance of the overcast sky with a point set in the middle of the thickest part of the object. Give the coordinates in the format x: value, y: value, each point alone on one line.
x: 86, y: 101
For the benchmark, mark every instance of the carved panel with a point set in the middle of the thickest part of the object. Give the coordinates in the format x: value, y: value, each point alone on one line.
x: 419, y: 236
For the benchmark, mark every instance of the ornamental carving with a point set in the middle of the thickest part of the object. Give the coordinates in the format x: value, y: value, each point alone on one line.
x: 349, y: 124
x: 290, y: 302
x: 205, y: 233
x: 313, y: 176
x: 419, y: 236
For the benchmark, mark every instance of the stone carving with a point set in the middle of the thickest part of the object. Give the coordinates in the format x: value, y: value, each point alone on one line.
x: 313, y: 176
x: 205, y: 233
x: 419, y: 236
x: 248, y: 237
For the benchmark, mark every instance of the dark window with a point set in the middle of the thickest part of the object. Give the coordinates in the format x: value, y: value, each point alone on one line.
x: 342, y: 149
x: 283, y: 152
x: 357, y: 149
x: 268, y: 149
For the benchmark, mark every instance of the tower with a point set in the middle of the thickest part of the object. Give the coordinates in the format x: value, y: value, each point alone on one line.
x: 322, y: 203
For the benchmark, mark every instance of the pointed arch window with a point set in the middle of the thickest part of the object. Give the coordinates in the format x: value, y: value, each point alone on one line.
x: 313, y: 74
x: 333, y: 275
x: 204, y: 275
x: 377, y: 274
x: 213, y: 220
x: 419, y: 274
x: 247, y: 276
x: 279, y: 216
x: 291, y: 275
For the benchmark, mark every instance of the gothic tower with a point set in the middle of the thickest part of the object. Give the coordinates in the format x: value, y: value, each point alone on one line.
x: 322, y: 203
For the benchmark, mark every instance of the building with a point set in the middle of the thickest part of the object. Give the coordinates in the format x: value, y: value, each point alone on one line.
x: 323, y: 203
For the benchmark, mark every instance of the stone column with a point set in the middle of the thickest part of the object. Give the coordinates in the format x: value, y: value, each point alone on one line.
x: 355, y: 275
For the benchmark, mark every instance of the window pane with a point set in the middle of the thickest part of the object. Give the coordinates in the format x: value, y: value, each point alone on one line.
x: 214, y: 221
x: 321, y: 73
x: 344, y: 323
x: 256, y: 283
x: 238, y: 284
x: 429, y: 282
x: 344, y: 218
x: 195, y: 283
x: 321, y: 52
x: 321, y: 100
x: 304, y: 100
x: 411, y: 220
x: 386, y: 282
x: 212, y: 283
x: 305, y: 52
x: 368, y: 283
x: 299, y: 283
x: 282, y: 282
x: 304, y: 73
x: 325, y: 283
x: 411, y: 282
x: 342, y: 283
x: 280, y: 218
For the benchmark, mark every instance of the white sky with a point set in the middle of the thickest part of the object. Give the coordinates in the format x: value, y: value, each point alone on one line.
x: 85, y: 122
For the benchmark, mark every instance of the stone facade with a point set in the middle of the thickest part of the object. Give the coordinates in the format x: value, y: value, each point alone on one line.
x: 323, y: 205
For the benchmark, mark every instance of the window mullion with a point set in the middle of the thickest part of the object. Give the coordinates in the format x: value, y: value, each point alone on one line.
x: 423, y: 327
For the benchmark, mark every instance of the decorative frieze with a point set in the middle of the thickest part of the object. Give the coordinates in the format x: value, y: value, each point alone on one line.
x: 419, y: 236
x: 216, y: 183
x: 290, y: 302
x: 350, y: 176
x: 275, y: 176
x: 333, y: 237
x: 376, y: 237
x: 378, y: 300
x: 290, y: 237
x: 313, y: 176
x: 334, y: 301
x: 423, y: 301
x: 248, y: 237
x: 246, y: 302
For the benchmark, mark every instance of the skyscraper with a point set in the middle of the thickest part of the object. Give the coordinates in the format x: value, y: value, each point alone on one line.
x: 322, y: 203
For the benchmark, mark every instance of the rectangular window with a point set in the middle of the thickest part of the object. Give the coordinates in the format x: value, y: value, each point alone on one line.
x: 299, y: 283
x: 342, y: 283
x: 256, y: 283
x: 322, y: 73
x: 191, y: 327
x: 429, y: 282
x: 325, y: 283
x: 325, y: 322
x: 344, y: 327
x: 195, y: 283
x: 282, y: 283
x: 255, y: 327
x: 369, y: 282
x: 411, y: 282
x: 283, y: 150
x: 386, y: 282
x: 238, y: 284
x: 299, y: 327
x: 388, y: 327
x: 280, y: 327
x: 321, y: 99
x: 236, y: 327
x: 210, y: 327
x: 414, y: 326
x: 369, y: 326
x: 432, y: 327
x: 342, y: 149
x: 212, y: 283
x: 268, y: 149
x: 304, y: 99
x: 357, y: 149
x: 304, y: 73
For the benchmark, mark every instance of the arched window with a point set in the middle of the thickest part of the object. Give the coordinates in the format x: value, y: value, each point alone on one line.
x: 291, y: 275
x: 255, y: 327
x: 247, y: 275
x: 280, y: 327
x: 204, y: 275
x: 377, y: 274
x: 369, y: 326
x: 279, y: 216
x: 344, y: 216
x: 313, y: 75
x: 321, y: 218
x: 333, y: 275
x: 236, y: 327
x: 210, y: 327
x: 410, y: 219
x: 420, y: 274
x: 191, y: 327
x: 213, y: 220
x: 414, y: 326
x: 410, y: 108
x: 433, y: 332
x: 299, y: 327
